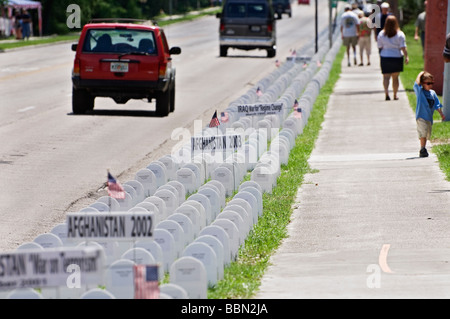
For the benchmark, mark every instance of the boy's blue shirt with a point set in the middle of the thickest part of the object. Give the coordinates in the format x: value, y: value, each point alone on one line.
x: 422, y: 109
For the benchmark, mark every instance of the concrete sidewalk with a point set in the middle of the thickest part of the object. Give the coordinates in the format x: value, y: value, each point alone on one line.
x: 373, y: 221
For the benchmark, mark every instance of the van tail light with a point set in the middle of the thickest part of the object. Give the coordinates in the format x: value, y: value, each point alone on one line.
x: 222, y: 27
x: 269, y: 28
x: 76, y: 68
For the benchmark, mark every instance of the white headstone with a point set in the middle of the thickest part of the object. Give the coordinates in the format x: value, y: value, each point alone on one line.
x: 198, y: 173
x: 207, y: 256
x: 221, y: 188
x: 243, y: 203
x: 187, y: 177
x: 171, y: 166
x: 233, y: 234
x: 241, y: 225
x: 160, y: 204
x: 97, y: 293
x: 202, y: 199
x: 159, y: 169
x: 200, y: 209
x: 139, y: 188
x: 99, y: 206
x: 246, y: 217
x: 224, y: 176
x: 173, y: 190
x: 180, y: 188
x: 112, y: 203
x: 264, y: 177
x: 30, y: 245
x: 251, y: 184
x: 48, y: 240
x: 155, y: 249
x: 214, y: 200
x: 218, y: 249
x: 108, y: 248
x: 140, y: 256
x: 167, y: 243
x: 190, y: 273
x: 258, y: 195
x: 148, y: 180
x: 194, y: 216
x: 251, y: 199
x: 170, y: 198
x: 60, y: 230
x: 222, y: 235
x: 185, y: 223
x: 177, y: 232
x: 119, y: 279
x: 133, y: 194
x: 174, y: 291
x: 24, y: 293
x: 125, y: 203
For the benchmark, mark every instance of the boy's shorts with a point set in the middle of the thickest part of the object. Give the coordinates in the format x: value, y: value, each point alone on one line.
x: 424, y: 128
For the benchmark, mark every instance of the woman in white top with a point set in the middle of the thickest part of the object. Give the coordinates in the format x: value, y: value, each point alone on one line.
x: 392, y: 44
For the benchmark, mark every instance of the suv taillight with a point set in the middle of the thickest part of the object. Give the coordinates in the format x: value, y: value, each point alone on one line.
x: 76, y: 68
x: 162, y: 69
x: 269, y: 28
x: 222, y: 27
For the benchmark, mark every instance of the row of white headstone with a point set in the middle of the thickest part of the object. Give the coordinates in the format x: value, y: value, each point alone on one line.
x: 197, y: 233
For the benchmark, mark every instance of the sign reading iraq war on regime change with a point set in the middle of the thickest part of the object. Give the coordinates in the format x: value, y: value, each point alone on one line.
x: 51, y: 267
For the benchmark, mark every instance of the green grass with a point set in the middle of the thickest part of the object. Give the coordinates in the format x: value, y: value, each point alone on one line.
x: 440, y: 136
x: 243, y: 277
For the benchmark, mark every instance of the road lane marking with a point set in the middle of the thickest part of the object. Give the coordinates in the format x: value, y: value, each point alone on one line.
x: 49, y: 68
x: 382, y: 259
x: 28, y: 108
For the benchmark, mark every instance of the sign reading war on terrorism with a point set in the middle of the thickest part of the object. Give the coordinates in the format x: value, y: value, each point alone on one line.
x: 51, y: 267
x: 110, y: 225
x: 260, y: 109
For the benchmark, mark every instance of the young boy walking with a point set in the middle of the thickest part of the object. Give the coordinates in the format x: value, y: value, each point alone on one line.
x: 427, y: 102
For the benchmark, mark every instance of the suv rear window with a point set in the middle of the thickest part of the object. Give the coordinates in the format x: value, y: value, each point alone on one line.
x: 120, y: 41
x: 244, y: 10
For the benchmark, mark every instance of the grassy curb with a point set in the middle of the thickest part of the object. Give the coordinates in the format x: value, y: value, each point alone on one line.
x: 242, y: 277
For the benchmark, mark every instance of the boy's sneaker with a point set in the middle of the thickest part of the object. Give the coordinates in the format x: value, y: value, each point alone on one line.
x: 423, y: 152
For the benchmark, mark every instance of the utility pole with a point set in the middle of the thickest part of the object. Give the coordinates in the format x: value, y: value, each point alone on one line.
x: 330, y: 27
x: 446, y: 85
x: 317, y: 32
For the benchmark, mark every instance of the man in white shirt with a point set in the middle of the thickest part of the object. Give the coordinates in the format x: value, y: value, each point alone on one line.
x: 350, y: 31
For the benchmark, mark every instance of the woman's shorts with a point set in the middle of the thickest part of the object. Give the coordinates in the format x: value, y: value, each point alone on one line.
x: 391, y: 65
x: 423, y: 128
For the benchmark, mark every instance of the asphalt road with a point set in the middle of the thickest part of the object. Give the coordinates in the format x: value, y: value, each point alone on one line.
x: 53, y: 162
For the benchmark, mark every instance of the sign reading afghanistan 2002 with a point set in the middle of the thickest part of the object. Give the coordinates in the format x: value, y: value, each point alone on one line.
x: 110, y: 225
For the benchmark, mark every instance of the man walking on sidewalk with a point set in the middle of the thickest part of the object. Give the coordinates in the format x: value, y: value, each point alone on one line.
x: 350, y: 31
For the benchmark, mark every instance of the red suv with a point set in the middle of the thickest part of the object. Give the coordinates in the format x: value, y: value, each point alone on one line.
x: 123, y: 59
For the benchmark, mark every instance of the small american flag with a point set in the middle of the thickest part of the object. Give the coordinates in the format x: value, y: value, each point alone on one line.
x: 297, y: 110
x: 277, y: 63
x: 146, y: 284
x: 224, y: 117
x: 259, y: 92
x: 115, y: 190
x: 214, y: 121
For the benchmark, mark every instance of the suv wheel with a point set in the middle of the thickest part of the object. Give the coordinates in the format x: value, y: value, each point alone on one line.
x: 82, y: 101
x: 163, y: 103
x: 223, y: 50
x: 172, y: 98
x: 271, y: 53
